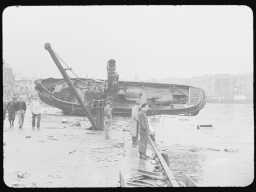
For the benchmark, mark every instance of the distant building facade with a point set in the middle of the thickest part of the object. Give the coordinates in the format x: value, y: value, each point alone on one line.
x: 222, y: 87
x: 8, y: 83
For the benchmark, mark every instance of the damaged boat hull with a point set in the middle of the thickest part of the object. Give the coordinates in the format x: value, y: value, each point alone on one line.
x: 126, y: 97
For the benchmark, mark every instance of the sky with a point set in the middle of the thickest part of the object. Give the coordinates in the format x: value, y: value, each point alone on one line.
x: 147, y: 42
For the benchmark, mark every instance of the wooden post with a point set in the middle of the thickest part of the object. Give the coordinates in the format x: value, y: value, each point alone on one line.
x: 99, y: 108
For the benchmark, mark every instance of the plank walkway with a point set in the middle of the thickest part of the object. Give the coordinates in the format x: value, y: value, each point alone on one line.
x: 136, y: 172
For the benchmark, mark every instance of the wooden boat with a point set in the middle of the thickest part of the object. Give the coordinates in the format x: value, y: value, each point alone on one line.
x: 78, y: 96
x: 165, y: 99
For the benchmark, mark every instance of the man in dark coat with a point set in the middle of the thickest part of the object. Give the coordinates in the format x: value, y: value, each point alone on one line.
x: 21, y: 110
x: 143, y: 131
x: 11, y: 109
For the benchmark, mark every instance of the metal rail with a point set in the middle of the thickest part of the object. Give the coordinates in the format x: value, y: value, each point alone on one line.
x: 70, y: 84
x: 171, y: 179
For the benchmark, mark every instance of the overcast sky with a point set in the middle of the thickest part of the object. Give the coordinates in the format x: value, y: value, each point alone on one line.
x: 146, y: 41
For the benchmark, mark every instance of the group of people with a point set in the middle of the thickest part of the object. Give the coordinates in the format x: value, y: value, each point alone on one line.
x: 139, y: 131
x: 17, y: 107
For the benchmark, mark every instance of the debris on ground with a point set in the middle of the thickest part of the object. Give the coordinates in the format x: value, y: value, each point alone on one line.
x: 72, y: 151
x: 28, y: 137
x: 230, y: 150
x: 64, y: 121
x: 118, y: 145
x: 50, y: 137
x: 212, y: 149
x: 77, y: 124
x: 22, y: 175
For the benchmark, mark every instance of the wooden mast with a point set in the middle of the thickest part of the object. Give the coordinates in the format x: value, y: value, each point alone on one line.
x: 70, y: 84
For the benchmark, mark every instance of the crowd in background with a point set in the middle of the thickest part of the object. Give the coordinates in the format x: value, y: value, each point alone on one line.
x: 16, y: 109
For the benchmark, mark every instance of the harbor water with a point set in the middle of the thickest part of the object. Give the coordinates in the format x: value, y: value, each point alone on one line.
x: 219, y: 154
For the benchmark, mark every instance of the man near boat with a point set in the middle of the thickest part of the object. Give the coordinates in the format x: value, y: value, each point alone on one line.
x: 36, y: 112
x: 135, y: 127
x: 144, y: 131
x: 107, y: 118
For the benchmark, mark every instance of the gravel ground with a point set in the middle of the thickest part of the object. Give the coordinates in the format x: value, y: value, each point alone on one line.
x: 63, y: 154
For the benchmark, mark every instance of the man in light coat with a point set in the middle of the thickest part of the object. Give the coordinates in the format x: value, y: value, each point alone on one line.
x: 36, y: 112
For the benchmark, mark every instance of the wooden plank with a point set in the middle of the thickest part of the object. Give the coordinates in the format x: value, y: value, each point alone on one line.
x: 189, y: 181
x: 154, y: 177
x: 168, y: 173
x: 148, y: 172
x: 142, y: 182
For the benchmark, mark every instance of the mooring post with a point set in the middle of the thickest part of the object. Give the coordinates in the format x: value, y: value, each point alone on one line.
x: 99, y: 112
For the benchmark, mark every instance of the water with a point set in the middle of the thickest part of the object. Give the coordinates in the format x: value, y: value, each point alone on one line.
x: 221, y: 155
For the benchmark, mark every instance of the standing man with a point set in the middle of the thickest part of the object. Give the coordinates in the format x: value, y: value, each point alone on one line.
x: 11, y: 109
x: 36, y: 113
x: 143, y: 130
x: 21, y: 110
x: 135, y: 126
x: 107, y: 118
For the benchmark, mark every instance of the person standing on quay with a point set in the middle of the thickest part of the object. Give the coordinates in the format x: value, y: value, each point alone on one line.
x: 143, y: 130
x: 135, y: 126
x: 11, y: 109
x: 36, y: 113
x: 107, y: 118
x: 21, y: 110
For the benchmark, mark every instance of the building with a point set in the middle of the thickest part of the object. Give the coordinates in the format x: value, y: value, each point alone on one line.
x: 8, y: 82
